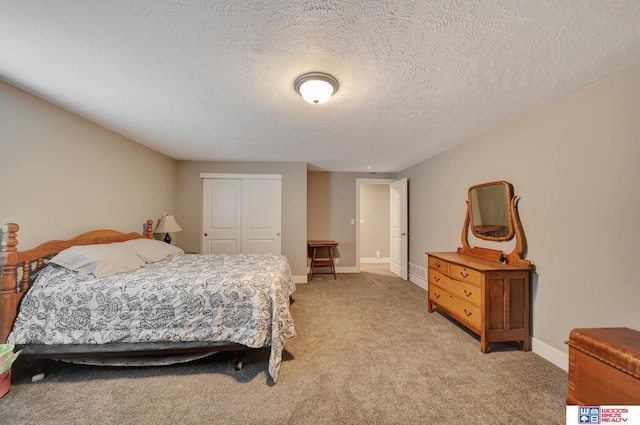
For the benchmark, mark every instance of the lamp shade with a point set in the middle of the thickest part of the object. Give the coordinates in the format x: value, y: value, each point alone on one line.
x: 316, y: 87
x: 167, y: 224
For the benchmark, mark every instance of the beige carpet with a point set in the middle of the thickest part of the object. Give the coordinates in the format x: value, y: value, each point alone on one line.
x: 376, y: 268
x: 367, y: 352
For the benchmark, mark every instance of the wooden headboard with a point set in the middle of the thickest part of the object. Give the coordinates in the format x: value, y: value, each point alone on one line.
x: 12, y: 289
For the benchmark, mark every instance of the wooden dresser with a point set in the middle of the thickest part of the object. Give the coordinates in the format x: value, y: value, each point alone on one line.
x: 489, y: 298
x: 485, y: 289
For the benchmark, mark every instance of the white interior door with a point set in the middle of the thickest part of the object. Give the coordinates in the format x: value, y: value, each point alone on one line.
x: 221, y: 216
x: 399, y: 217
x: 261, y: 216
x: 241, y: 215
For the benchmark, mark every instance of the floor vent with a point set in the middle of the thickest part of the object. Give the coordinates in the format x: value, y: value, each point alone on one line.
x: 418, y: 271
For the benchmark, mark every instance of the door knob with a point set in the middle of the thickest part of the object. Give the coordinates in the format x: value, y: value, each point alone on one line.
x: 206, y: 234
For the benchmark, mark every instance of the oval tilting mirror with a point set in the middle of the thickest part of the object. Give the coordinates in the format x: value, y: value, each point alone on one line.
x: 490, y: 214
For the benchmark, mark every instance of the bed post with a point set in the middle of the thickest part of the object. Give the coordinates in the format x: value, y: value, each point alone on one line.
x: 149, y: 230
x: 8, y: 284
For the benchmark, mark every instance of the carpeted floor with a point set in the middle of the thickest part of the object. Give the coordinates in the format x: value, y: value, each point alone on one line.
x: 367, y: 352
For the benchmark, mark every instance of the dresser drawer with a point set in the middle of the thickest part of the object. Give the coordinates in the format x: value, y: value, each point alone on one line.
x: 439, y: 295
x: 463, y: 290
x: 439, y: 278
x: 461, y: 309
x: 438, y: 264
x: 465, y: 274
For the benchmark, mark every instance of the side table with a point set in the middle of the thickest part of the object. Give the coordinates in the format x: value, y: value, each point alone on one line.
x: 314, y: 245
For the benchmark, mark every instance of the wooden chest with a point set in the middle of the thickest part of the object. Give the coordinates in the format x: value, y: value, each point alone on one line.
x: 604, y: 366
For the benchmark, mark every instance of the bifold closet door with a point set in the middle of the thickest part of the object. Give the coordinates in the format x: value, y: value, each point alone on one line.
x: 221, y: 216
x: 241, y: 216
x: 261, y: 216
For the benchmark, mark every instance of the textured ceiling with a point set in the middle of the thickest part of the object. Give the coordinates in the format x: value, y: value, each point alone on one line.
x: 213, y: 80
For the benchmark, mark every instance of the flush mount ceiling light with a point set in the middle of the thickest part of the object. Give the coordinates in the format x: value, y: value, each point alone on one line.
x: 316, y: 87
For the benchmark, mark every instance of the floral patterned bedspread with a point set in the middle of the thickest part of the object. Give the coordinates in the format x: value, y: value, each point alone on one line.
x: 241, y: 298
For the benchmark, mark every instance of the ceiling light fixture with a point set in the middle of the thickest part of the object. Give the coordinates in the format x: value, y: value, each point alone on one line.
x: 316, y: 87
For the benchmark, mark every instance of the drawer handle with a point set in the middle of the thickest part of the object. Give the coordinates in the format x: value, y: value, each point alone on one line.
x: 468, y: 313
x: 465, y: 275
x: 437, y: 264
x: 436, y: 278
x: 436, y: 295
x: 468, y: 294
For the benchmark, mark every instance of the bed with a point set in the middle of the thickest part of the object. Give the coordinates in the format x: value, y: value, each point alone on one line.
x: 89, y: 297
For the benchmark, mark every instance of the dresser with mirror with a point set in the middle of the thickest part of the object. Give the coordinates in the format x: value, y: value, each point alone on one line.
x: 486, y: 290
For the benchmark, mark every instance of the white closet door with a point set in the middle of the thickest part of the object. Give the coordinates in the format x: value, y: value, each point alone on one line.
x: 241, y: 215
x: 221, y: 216
x: 261, y: 216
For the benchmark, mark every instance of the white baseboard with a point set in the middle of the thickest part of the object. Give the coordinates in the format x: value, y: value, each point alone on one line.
x: 550, y: 354
x: 338, y: 269
x: 347, y: 270
x: 352, y: 269
x: 300, y: 279
x: 375, y: 260
x: 418, y: 281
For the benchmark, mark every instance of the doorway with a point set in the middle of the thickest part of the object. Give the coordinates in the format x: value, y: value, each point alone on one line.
x: 374, y: 226
x: 382, y: 236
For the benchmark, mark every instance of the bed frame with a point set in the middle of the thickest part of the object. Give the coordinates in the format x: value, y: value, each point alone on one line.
x: 18, y: 266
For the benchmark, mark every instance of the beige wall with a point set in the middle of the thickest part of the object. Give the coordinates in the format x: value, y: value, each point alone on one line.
x: 63, y: 175
x: 574, y: 162
x: 331, y: 205
x: 294, y: 203
x: 374, y: 210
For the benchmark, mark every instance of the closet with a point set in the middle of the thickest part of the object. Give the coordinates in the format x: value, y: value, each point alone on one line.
x: 241, y: 213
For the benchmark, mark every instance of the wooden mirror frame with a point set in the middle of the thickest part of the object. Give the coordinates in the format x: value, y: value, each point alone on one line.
x: 508, y: 191
x: 516, y: 257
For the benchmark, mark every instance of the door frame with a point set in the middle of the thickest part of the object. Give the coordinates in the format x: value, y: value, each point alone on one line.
x: 357, y: 219
x: 240, y: 176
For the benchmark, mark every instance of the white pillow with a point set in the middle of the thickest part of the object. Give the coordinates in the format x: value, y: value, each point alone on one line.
x: 98, y: 260
x: 151, y: 250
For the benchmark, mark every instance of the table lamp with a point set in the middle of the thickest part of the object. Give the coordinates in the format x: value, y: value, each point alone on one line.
x: 167, y: 224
